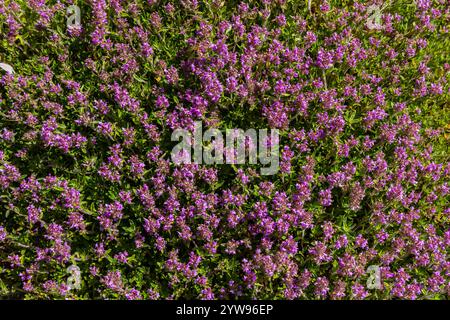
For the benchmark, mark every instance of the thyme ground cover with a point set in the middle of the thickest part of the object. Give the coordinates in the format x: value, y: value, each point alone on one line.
x: 93, y: 207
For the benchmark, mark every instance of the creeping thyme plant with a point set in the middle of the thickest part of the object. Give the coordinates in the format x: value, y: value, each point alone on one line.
x: 88, y: 188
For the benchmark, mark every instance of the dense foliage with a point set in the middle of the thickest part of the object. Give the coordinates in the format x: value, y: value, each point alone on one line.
x: 86, y: 177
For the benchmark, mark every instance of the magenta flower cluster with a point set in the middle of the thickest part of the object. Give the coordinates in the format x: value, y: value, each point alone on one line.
x: 86, y: 177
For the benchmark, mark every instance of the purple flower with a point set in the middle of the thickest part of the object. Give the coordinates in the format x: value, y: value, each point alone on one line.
x: 321, y: 287
x: 3, y: 233
x: 325, y: 197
